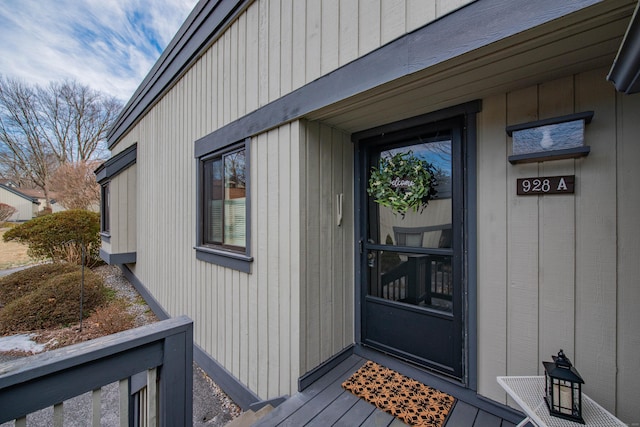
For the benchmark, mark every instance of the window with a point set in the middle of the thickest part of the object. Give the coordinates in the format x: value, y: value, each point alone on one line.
x: 225, y: 201
x: 105, y: 220
x: 224, y: 206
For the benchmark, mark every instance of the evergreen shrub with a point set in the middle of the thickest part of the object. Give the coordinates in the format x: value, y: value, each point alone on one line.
x: 60, y: 236
x: 53, y: 302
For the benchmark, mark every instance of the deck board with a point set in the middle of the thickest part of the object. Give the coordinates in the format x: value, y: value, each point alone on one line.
x: 332, y: 413
x: 326, y: 403
x: 299, y: 400
x: 463, y: 415
x: 324, y: 400
x: 485, y: 419
x: 356, y: 415
x: 378, y: 418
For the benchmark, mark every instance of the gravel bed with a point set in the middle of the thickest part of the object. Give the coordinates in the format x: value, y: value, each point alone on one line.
x: 211, y: 406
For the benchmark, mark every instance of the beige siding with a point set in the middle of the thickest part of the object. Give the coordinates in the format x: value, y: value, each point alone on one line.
x: 269, y: 327
x: 327, y: 316
x: 123, y: 211
x: 560, y: 280
x: 492, y: 246
x: 628, y: 248
x: 553, y: 272
x: 277, y: 46
x: 247, y: 322
x: 25, y: 209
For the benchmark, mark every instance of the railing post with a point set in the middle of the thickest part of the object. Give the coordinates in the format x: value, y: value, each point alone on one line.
x: 176, y: 380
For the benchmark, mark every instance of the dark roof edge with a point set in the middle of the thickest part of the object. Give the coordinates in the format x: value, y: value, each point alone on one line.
x: 117, y: 164
x: 625, y: 71
x: 19, y: 193
x: 203, y: 26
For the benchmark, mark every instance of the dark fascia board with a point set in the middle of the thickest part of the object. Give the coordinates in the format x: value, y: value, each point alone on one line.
x: 205, y: 24
x: 18, y: 193
x: 117, y: 164
x: 625, y: 71
x: 485, y: 22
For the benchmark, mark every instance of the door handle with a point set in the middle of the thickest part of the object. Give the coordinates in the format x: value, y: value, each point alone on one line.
x: 371, y: 259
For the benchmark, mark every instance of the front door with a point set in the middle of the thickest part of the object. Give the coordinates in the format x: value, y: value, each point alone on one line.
x: 412, y: 252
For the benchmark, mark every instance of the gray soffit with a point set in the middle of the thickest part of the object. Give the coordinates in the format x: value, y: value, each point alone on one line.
x: 625, y: 72
x: 205, y: 23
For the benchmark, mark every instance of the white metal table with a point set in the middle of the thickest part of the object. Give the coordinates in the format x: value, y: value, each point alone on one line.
x: 528, y: 392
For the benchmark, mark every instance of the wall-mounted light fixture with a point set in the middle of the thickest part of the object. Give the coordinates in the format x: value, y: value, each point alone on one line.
x: 549, y: 139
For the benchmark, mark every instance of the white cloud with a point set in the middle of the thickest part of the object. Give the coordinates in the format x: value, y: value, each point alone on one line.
x: 109, y: 45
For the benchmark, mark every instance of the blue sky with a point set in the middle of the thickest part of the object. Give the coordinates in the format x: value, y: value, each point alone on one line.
x: 109, y: 45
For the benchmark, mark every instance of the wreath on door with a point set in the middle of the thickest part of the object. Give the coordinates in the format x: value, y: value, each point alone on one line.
x: 403, y: 182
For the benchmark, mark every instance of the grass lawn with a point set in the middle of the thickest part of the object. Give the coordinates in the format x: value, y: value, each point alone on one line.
x: 12, y: 254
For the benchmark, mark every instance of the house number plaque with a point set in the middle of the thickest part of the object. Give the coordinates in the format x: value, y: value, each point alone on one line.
x: 546, y: 185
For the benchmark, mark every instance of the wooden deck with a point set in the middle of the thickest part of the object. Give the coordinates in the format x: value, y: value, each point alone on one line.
x: 326, y: 403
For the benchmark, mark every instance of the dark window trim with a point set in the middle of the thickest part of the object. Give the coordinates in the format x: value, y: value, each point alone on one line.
x: 230, y: 258
x: 105, y: 209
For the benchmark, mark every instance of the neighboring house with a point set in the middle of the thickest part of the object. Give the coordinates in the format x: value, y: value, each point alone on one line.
x: 237, y: 190
x: 39, y: 196
x: 26, y: 206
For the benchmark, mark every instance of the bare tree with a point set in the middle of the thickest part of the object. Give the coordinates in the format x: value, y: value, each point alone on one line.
x: 43, y: 128
x: 76, y: 120
x: 21, y: 135
x: 6, y: 211
x: 76, y: 185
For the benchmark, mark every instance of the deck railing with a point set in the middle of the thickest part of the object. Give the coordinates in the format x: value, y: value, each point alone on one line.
x: 158, y: 356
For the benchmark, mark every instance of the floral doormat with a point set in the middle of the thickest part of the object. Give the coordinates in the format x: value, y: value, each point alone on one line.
x: 409, y: 400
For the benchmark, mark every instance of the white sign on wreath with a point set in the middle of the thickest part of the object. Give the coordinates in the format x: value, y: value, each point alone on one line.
x: 402, y: 182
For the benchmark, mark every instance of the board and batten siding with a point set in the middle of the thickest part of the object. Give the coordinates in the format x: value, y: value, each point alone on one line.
x: 269, y: 327
x: 327, y: 245
x: 249, y: 323
x: 122, y: 212
x: 557, y: 271
x: 295, y: 309
x: 276, y: 46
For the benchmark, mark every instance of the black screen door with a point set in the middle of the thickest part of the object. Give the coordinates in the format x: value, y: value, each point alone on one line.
x: 411, y: 262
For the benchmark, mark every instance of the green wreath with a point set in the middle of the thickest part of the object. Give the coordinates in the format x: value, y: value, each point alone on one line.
x: 403, y: 182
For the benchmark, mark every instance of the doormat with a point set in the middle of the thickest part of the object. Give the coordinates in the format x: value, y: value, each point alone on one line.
x: 409, y: 400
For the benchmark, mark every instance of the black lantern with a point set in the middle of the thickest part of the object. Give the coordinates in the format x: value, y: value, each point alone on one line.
x: 563, y: 388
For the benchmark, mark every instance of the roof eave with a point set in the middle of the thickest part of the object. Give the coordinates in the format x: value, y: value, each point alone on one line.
x: 206, y: 21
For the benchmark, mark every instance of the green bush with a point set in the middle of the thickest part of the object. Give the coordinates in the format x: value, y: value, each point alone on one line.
x: 26, y: 281
x: 59, y: 236
x: 54, y: 302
